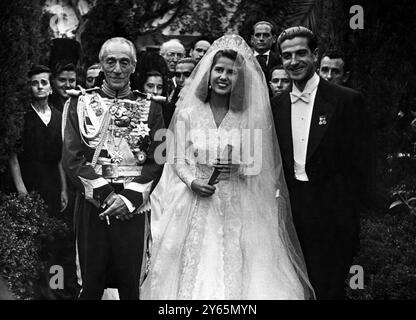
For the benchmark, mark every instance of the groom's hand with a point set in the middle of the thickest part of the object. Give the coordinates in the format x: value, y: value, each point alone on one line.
x: 202, y: 188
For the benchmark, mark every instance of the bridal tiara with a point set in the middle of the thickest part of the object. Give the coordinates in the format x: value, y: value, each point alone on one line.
x: 232, y: 42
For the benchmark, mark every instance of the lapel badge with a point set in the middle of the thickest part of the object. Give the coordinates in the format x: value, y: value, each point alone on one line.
x: 322, y: 120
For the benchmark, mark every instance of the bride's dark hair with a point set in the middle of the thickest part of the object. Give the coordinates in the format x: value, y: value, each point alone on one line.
x: 203, y: 91
x: 227, y: 53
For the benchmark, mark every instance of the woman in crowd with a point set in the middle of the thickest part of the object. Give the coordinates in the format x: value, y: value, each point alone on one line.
x: 153, y: 83
x: 149, y: 62
x: 64, y: 78
x: 151, y: 76
x: 229, y: 236
x: 38, y: 166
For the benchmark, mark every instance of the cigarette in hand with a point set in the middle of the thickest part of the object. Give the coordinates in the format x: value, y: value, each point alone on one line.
x: 107, y: 219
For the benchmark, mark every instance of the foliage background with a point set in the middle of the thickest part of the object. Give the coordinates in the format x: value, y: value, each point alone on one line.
x: 21, y: 41
x: 27, y: 236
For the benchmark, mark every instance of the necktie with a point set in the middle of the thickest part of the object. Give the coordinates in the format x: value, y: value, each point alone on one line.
x: 305, y: 97
x: 262, y: 59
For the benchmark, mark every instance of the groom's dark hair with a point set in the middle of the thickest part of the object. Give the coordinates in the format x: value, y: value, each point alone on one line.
x: 298, y: 31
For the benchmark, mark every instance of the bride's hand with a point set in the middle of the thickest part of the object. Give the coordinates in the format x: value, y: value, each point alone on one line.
x: 202, y: 188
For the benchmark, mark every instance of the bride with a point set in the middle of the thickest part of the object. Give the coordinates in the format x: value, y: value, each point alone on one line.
x: 231, y: 236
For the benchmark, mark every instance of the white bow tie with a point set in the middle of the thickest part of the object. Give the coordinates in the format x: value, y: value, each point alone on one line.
x: 305, y: 97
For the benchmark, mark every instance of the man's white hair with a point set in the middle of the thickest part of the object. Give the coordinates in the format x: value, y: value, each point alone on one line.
x: 171, y: 43
x: 118, y: 40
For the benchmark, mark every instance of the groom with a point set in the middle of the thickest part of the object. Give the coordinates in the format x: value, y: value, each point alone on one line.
x: 320, y: 129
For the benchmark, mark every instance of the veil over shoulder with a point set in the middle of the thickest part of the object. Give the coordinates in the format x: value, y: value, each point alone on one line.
x: 240, y: 243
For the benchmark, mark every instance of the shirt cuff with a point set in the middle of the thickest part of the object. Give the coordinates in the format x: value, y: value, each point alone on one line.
x: 128, y: 203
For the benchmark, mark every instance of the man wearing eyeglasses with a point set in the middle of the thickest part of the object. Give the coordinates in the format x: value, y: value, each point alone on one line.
x: 262, y: 40
x: 172, y: 51
x: 182, y: 72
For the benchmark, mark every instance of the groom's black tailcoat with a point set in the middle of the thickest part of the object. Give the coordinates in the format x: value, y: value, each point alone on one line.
x: 326, y: 208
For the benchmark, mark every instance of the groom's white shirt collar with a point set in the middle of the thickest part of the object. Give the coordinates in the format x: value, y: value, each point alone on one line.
x: 301, y: 116
x: 310, y: 86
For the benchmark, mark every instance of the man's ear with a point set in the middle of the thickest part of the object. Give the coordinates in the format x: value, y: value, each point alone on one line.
x: 252, y: 40
x: 316, y: 55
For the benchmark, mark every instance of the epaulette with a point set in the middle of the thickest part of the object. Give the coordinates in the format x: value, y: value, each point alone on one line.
x: 149, y: 96
x: 73, y: 93
x: 81, y: 91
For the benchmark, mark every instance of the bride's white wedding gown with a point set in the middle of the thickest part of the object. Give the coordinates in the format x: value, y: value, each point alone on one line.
x: 227, y: 246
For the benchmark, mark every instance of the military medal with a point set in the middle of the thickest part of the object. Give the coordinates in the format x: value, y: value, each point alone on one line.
x: 141, y: 157
x: 143, y: 129
x: 116, y: 156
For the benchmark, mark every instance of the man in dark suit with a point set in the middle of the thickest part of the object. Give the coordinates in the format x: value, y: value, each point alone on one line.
x: 320, y: 129
x: 262, y: 40
x: 333, y: 68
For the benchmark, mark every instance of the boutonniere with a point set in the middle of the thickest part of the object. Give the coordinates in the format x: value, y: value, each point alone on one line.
x: 322, y: 120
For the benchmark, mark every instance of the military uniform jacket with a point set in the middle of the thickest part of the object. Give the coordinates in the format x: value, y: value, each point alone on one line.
x: 109, y: 141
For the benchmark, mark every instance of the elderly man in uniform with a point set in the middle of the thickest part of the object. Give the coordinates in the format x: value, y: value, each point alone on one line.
x: 108, y: 153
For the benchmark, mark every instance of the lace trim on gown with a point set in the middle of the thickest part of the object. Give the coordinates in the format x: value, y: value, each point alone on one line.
x: 226, y: 198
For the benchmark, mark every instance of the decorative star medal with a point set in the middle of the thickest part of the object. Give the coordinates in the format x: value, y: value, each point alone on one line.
x: 116, y: 156
x: 322, y: 120
x: 142, y: 129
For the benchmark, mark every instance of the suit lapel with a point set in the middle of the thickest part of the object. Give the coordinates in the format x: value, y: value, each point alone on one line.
x: 322, y: 113
x: 273, y: 60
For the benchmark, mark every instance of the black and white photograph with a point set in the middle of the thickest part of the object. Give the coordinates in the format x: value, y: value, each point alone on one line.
x: 220, y: 151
